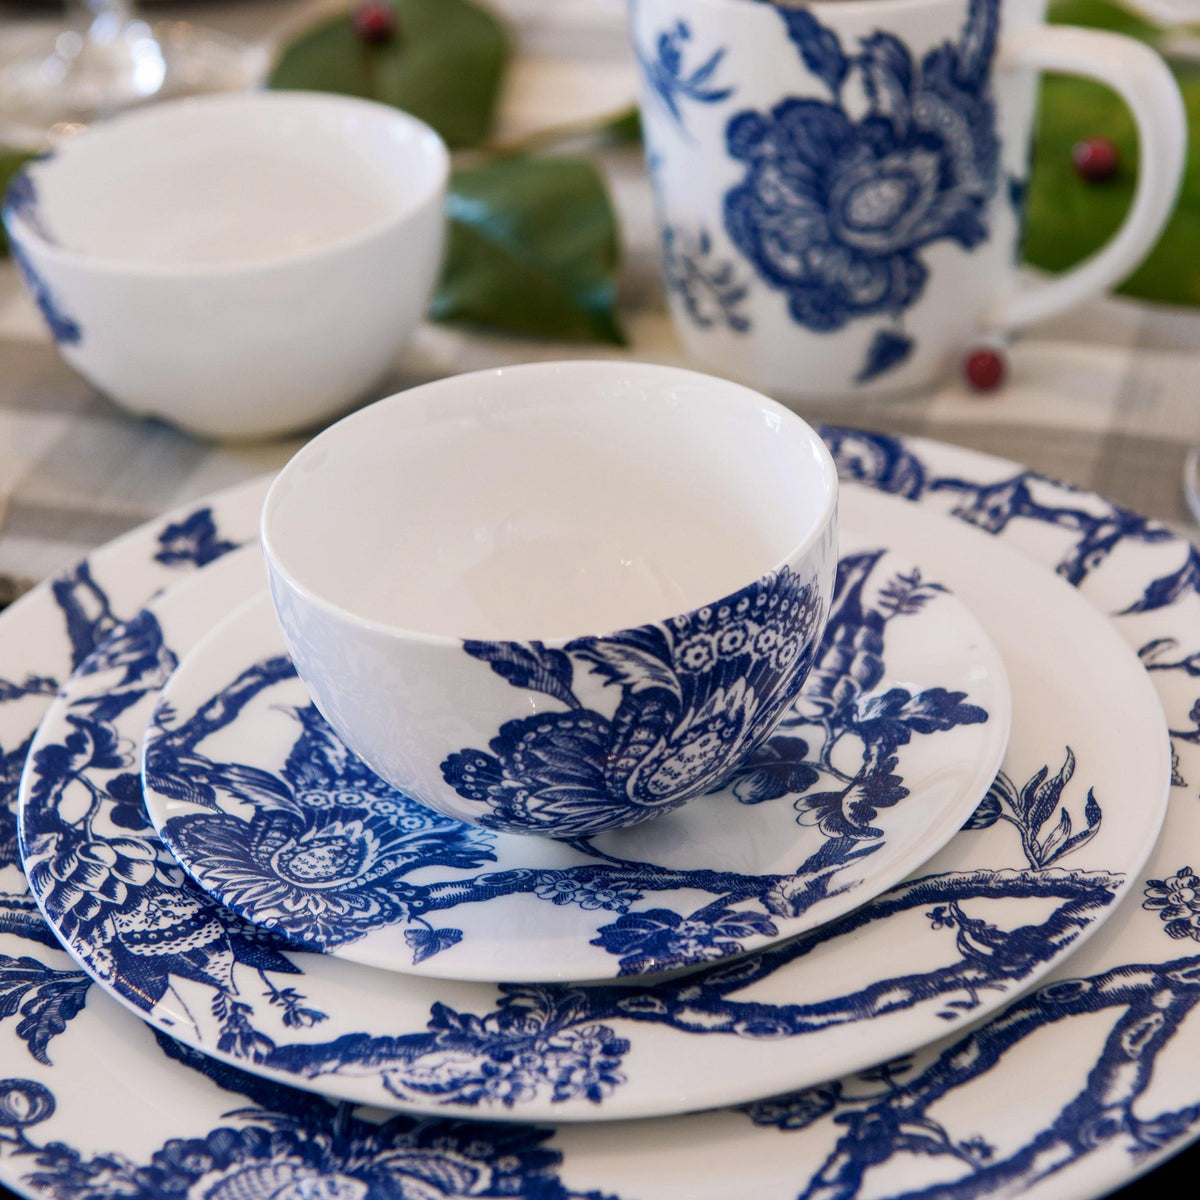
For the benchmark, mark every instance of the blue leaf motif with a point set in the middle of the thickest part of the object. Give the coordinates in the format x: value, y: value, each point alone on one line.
x: 774, y: 770
x: 528, y: 666
x: 666, y: 75
x: 887, y: 78
x: 46, y: 1000
x: 888, y: 349
x: 818, y: 46
x: 425, y: 943
x: 1041, y: 795
x: 896, y: 715
x: 194, y: 541
x: 627, y: 664
x: 986, y: 815
x: 978, y: 43
x: 709, y: 289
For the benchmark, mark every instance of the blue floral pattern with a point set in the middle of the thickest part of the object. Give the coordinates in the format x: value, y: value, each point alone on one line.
x: 194, y: 540
x: 1176, y: 899
x: 672, y: 82
x: 21, y: 200
x: 710, y: 292
x: 696, y: 695
x: 63, y: 327
x: 293, y: 1149
x: 324, y: 853
x: 834, y: 209
x: 144, y: 924
x: 1107, y: 1124
x: 334, y: 844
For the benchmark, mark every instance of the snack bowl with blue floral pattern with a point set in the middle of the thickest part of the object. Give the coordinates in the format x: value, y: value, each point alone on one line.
x: 559, y: 598
x: 242, y: 265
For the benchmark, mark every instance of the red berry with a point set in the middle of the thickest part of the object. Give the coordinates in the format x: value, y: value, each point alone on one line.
x: 375, y: 21
x: 985, y: 368
x: 1096, y: 159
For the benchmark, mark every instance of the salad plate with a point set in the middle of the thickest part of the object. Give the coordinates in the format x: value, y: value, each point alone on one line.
x: 1044, y: 860
x: 895, y: 740
x: 959, y: 1121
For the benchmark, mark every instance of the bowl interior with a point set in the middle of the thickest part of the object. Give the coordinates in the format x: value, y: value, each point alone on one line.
x: 227, y: 180
x: 548, y: 501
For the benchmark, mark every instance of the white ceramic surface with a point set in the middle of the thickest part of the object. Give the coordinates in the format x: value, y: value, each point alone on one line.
x: 584, y: 591
x: 841, y: 186
x: 1037, y: 869
x: 262, y: 805
x: 241, y: 264
x: 1107, y: 1107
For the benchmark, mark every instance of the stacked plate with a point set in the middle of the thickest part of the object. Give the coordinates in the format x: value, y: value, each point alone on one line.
x: 862, y: 958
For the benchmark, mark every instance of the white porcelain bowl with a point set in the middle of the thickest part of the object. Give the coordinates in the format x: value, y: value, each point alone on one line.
x: 558, y: 598
x: 241, y: 265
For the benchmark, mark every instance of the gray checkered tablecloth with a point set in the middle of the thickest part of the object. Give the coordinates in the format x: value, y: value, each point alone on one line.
x: 1106, y: 397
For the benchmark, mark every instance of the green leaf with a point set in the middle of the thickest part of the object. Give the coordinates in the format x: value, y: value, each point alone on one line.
x: 1100, y: 14
x: 532, y: 250
x: 11, y: 161
x: 444, y: 65
x: 1067, y: 218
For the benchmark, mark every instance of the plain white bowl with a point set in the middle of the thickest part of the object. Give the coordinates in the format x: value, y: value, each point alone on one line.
x: 557, y: 598
x: 241, y: 265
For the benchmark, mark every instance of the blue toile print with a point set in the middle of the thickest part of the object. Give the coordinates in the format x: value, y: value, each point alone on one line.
x: 324, y: 852
x: 194, y: 540
x: 711, y: 293
x: 834, y: 208
x: 888, y: 349
x: 696, y: 694
x: 915, y: 1124
x: 21, y: 200
x: 674, y: 82
x: 1176, y: 899
x: 63, y: 327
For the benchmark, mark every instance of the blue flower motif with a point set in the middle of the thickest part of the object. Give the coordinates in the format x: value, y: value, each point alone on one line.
x: 696, y: 693
x: 536, y: 1041
x: 798, y: 1110
x: 589, y: 894
x: 833, y: 210
x: 670, y: 940
x: 1177, y: 901
x: 325, y: 863
x: 710, y: 292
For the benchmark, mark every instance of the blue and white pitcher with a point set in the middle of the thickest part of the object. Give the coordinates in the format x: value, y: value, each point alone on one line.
x: 840, y: 187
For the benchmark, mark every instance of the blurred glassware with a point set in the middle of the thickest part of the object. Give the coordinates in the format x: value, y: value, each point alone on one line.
x: 1191, y: 481
x: 105, y: 59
